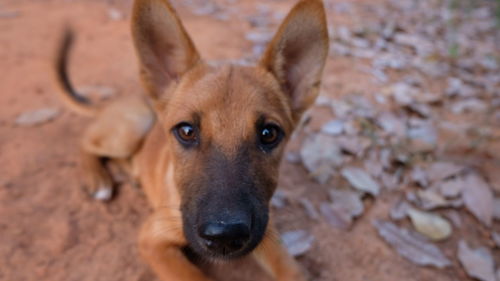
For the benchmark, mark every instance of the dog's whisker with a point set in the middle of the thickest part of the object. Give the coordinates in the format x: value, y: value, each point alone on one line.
x: 272, y: 241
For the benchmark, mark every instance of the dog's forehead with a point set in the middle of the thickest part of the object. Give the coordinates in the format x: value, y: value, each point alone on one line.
x: 229, y: 100
x: 225, y: 87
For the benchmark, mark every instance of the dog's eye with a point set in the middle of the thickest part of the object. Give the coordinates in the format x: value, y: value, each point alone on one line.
x: 186, y: 133
x: 270, y: 135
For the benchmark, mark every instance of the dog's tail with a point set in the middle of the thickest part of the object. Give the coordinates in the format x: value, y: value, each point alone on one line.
x: 68, y: 94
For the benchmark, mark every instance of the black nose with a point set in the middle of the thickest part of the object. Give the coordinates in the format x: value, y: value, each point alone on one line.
x: 225, y: 237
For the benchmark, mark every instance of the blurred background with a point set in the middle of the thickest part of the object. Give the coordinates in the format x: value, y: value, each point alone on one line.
x: 393, y: 175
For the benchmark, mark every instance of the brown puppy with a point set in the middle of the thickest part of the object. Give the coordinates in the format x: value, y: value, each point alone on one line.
x: 209, y: 164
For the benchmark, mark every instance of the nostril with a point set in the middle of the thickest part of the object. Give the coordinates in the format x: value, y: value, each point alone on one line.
x: 237, y: 243
x: 211, y: 231
x: 222, y: 234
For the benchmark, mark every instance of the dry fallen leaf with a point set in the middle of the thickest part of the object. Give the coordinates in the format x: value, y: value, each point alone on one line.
x: 410, y: 246
x: 211, y: 8
x: 361, y: 180
x: 403, y: 93
x: 320, y: 155
x: 392, y: 124
x: 292, y: 157
x: 351, y: 128
x: 37, y: 117
x: 386, y: 157
x: 423, y: 45
x: 442, y: 170
x: 496, y: 238
x: 454, y: 217
x: 423, y: 136
x: 468, y: 105
x: 478, y: 198
x: 336, y: 217
x: 400, y: 210
x: 496, y: 209
x: 430, y: 225
x: 279, y: 199
x: 372, y: 165
x: 422, y: 110
x: 429, y: 199
x: 429, y: 98
x: 478, y: 263
x: 341, y: 109
x: 349, y: 201
x: 310, y: 209
x: 297, y: 242
x: 390, y: 181
x: 452, y: 188
x: 333, y: 128
x: 419, y: 176
x: 353, y: 145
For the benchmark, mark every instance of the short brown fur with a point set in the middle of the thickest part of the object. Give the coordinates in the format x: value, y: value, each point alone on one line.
x: 225, y: 103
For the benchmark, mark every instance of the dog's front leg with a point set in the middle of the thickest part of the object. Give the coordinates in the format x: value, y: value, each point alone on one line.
x: 160, y: 242
x: 274, y: 258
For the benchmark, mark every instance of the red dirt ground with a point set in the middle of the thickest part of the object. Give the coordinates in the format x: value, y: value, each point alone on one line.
x: 51, y: 230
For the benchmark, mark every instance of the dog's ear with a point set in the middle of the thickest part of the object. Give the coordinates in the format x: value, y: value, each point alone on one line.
x: 296, y: 55
x: 164, y: 48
